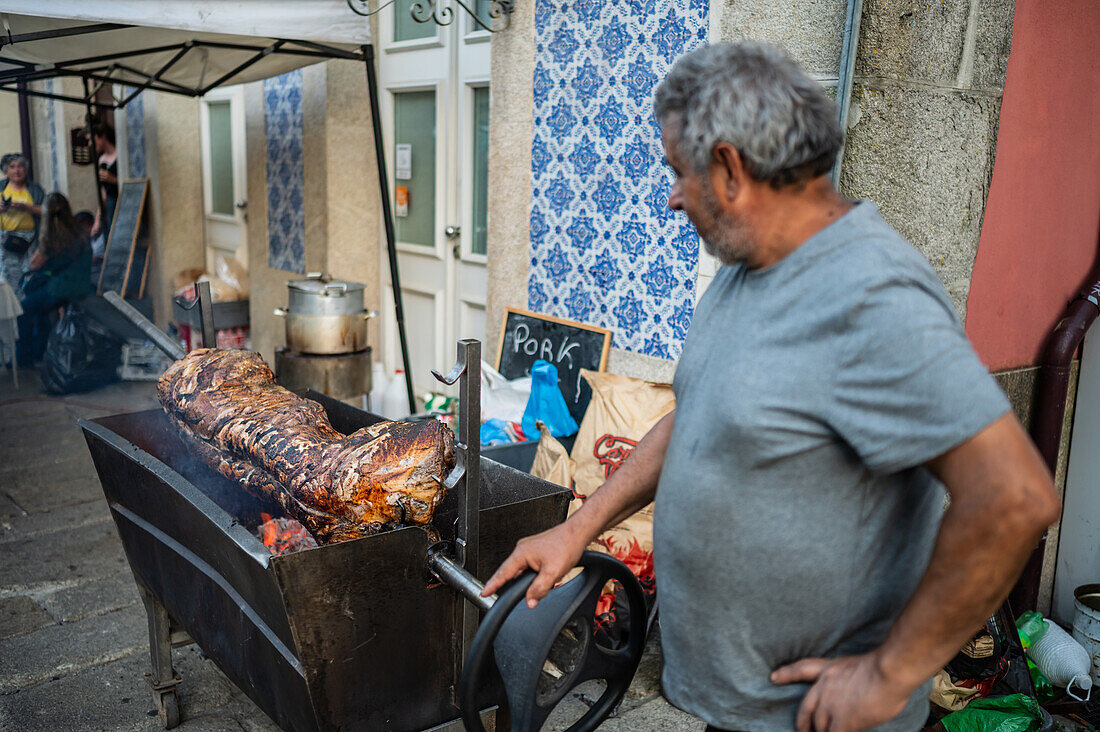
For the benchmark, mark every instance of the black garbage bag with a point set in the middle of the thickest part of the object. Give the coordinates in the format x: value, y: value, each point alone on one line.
x: 81, y: 354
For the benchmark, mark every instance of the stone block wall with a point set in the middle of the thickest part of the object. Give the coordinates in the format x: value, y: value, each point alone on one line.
x: 925, y: 106
x: 175, y: 198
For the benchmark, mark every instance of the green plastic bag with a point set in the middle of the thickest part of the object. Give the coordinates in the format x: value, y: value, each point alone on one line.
x: 1013, y: 713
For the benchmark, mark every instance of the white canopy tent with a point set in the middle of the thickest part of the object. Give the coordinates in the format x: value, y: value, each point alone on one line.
x: 173, y: 45
x: 189, y: 47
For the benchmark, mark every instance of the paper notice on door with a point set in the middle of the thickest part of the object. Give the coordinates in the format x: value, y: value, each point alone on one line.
x: 401, y: 201
x: 403, y: 162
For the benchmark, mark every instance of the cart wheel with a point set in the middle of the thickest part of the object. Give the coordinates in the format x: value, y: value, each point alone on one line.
x: 542, y: 654
x: 168, y: 706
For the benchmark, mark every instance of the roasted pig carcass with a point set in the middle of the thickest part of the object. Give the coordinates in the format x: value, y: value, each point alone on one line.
x: 280, y: 446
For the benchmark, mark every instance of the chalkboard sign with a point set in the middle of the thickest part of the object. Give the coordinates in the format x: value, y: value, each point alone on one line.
x: 135, y: 283
x: 526, y: 337
x: 122, y: 271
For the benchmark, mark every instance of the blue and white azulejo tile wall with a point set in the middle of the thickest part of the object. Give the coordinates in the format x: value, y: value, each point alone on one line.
x: 286, y: 231
x: 55, y: 149
x: 605, y: 248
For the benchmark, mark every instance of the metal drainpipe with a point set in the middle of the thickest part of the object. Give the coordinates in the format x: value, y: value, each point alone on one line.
x: 1050, y: 410
x: 845, y: 76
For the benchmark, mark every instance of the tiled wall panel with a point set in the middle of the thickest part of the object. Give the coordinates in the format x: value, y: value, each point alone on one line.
x: 605, y: 248
x: 56, y: 151
x: 285, y: 172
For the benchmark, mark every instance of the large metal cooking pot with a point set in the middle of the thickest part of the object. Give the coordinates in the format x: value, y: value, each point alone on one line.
x: 320, y: 294
x: 325, y: 316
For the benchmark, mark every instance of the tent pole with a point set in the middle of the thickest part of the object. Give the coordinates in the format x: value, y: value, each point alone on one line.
x: 95, y: 154
x: 387, y: 217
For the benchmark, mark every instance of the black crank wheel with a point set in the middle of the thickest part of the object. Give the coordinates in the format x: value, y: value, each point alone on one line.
x: 582, y: 659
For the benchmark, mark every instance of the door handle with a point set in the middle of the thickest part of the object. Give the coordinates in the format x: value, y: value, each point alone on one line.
x: 452, y: 233
x: 240, y: 203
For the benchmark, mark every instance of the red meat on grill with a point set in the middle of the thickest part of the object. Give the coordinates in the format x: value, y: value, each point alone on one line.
x: 280, y: 446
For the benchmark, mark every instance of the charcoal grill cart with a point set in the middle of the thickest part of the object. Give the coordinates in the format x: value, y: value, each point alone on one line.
x: 368, y: 634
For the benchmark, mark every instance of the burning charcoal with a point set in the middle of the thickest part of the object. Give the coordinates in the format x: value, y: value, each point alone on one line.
x: 284, y: 535
x: 281, y: 447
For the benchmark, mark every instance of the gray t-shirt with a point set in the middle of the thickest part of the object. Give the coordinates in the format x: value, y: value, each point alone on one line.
x: 793, y: 516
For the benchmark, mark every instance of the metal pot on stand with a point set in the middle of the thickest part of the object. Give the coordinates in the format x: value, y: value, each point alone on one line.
x: 325, y: 316
x: 326, y: 337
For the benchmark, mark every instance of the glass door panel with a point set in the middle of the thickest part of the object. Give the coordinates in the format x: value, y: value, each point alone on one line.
x: 414, y: 183
x: 480, y: 183
x: 221, y: 158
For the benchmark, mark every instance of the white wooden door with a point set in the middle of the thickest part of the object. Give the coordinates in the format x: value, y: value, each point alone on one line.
x: 224, y: 176
x: 435, y: 104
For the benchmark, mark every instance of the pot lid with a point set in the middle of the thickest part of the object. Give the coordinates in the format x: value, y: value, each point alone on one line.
x: 318, y: 284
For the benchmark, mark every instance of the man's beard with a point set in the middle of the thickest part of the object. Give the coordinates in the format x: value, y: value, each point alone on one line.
x: 724, y: 238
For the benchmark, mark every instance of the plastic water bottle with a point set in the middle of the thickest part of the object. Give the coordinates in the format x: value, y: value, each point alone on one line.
x: 378, y: 383
x: 1061, y: 659
x: 395, y: 400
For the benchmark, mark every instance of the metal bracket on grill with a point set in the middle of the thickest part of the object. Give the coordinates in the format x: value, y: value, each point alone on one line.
x: 467, y: 372
x: 205, y: 304
x: 467, y: 473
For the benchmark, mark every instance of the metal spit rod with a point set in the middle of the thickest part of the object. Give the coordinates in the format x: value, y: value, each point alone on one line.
x: 459, y: 579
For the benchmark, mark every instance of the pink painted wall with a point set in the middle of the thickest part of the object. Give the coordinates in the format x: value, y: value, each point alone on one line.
x: 1039, y: 235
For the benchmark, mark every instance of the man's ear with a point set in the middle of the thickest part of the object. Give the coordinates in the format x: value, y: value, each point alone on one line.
x: 727, y: 172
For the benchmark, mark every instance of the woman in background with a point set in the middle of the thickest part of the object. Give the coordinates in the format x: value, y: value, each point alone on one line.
x: 20, y: 209
x: 60, y: 272
x: 108, y: 179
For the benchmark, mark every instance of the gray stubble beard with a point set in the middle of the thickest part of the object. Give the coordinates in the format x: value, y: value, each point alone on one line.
x: 730, y: 241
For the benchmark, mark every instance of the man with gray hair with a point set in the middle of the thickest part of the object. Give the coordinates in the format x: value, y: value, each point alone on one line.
x: 826, y: 396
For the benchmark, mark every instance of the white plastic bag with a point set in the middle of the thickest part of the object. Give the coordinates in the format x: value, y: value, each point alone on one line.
x: 233, y: 273
x: 501, y: 398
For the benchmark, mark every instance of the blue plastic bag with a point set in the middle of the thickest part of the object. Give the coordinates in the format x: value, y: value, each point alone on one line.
x: 546, y: 403
x: 500, y: 432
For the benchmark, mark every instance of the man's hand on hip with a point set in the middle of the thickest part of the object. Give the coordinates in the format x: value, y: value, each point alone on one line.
x: 846, y: 694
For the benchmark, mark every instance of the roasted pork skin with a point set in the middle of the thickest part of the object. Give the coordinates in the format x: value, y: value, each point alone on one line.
x: 281, y: 446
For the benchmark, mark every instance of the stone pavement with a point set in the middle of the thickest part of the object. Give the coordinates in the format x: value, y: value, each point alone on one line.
x: 73, y: 640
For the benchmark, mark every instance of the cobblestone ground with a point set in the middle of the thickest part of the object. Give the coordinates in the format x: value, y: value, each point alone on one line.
x: 73, y: 640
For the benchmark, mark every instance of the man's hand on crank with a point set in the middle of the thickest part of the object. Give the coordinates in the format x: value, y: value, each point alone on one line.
x: 556, y: 551
x: 552, y: 554
x: 846, y: 694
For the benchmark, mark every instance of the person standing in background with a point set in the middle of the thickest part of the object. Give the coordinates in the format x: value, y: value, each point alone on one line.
x: 20, y: 209
x: 108, y: 178
x: 60, y: 272
x: 86, y: 219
